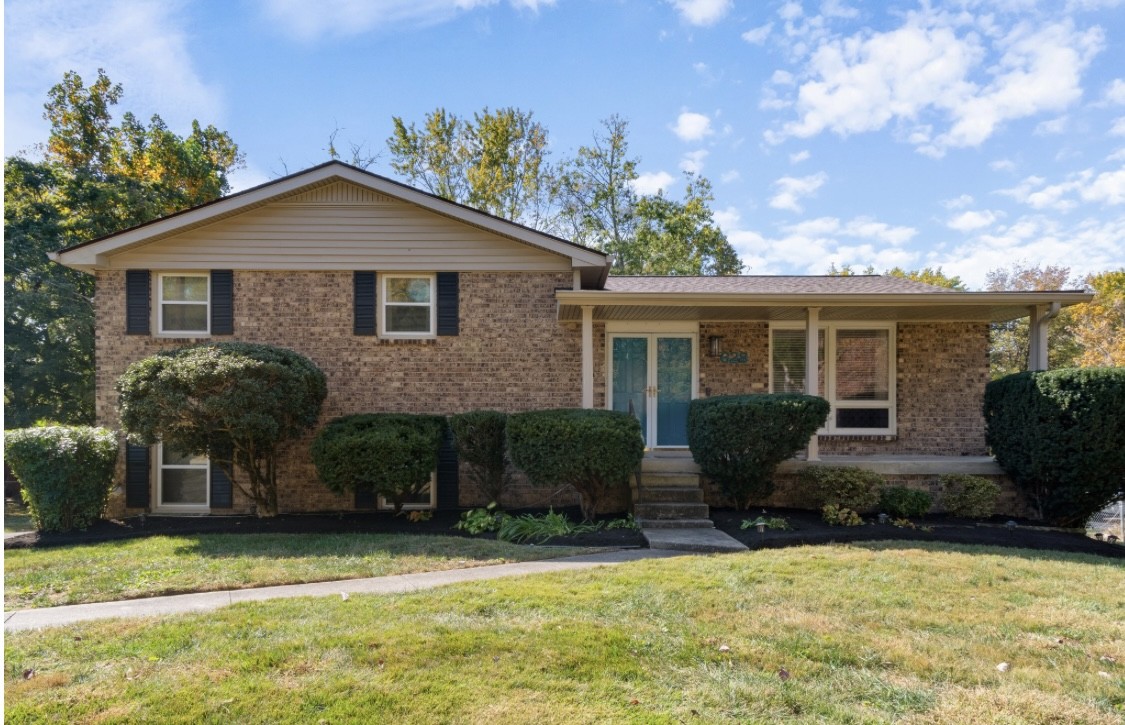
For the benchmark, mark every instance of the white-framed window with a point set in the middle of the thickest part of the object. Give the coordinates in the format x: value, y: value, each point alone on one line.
x: 182, y: 481
x: 183, y: 304
x: 421, y: 501
x: 408, y: 305
x: 856, y: 372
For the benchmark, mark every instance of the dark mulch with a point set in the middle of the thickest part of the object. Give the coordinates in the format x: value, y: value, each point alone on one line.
x: 807, y: 529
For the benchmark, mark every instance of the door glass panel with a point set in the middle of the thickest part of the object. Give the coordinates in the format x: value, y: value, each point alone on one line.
x: 630, y: 377
x: 673, y: 386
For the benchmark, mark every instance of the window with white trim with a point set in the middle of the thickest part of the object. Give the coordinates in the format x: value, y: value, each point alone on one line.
x: 856, y: 372
x: 184, y: 306
x: 183, y: 480
x: 408, y: 305
x: 420, y: 501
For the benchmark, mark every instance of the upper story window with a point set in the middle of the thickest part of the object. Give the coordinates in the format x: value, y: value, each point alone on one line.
x: 408, y: 305
x: 856, y: 373
x: 185, y: 304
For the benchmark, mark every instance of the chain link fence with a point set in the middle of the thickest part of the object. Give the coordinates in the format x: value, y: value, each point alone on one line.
x: 1110, y: 521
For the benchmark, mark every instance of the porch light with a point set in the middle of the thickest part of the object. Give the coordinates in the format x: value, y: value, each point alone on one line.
x: 715, y: 345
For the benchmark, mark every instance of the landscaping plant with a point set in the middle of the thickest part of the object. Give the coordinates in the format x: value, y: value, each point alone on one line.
x: 480, y: 520
x: 902, y: 502
x: 65, y: 473
x: 973, y: 497
x: 591, y: 450
x: 538, y: 529
x: 1060, y: 435
x: 392, y: 454
x: 481, y: 440
x: 739, y: 440
x: 851, y: 488
x: 235, y: 402
x: 840, y: 516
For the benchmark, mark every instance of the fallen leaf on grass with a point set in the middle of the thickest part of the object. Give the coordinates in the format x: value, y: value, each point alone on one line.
x: 783, y: 674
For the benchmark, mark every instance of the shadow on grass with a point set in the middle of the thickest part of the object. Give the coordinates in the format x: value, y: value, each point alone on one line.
x: 16, y: 517
x: 347, y: 545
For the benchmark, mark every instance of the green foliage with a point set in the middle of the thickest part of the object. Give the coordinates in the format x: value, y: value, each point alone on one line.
x: 482, y: 443
x: 1010, y: 344
x: 627, y: 522
x: 738, y: 440
x: 591, y: 450
x: 773, y: 522
x: 1099, y: 325
x: 94, y: 179
x: 973, y: 497
x: 835, y: 515
x: 392, y: 454
x: 235, y: 402
x: 480, y: 520
x: 903, y: 502
x: 851, y: 488
x: 65, y: 473
x: 1060, y: 435
x: 538, y: 529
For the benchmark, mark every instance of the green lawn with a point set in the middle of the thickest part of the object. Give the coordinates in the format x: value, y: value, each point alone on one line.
x: 16, y: 518
x: 174, y: 564
x: 887, y: 632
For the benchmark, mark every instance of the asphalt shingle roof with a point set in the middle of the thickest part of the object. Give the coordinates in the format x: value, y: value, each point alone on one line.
x: 773, y: 284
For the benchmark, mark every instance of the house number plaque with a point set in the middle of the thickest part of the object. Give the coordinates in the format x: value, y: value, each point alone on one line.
x: 733, y: 358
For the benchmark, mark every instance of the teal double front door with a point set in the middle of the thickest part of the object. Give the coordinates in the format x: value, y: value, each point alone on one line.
x: 652, y: 376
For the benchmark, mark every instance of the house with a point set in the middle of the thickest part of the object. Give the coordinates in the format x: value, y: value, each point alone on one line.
x: 412, y: 303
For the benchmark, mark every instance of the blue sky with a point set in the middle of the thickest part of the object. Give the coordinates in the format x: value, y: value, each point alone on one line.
x: 965, y: 134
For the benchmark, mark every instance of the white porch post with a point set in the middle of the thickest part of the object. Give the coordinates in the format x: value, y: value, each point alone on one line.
x: 587, y: 356
x: 812, y: 365
x: 1041, y: 315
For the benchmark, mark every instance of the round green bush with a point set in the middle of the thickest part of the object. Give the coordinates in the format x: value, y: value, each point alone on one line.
x: 392, y: 454
x: 65, y: 473
x: 903, y: 503
x: 591, y: 450
x: 973, y: 497
x: 739, y: 440
x: 851, y: 488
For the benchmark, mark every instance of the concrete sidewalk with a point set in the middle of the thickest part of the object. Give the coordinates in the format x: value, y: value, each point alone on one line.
x: 206, y: 601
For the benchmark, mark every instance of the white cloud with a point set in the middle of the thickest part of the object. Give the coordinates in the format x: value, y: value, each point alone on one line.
x: 344, y: 18
x: 837, y: 9
x: 692, y: 161
x: 961, y: 202
x: 758, y: 35
x: 790, y: 190
x: 799, y: 156
x: 782, y: 78
x: 1118, y: 155
x: 730, y: 176
x: 692, y: 126
x: 972, y: 220
x: 1002, y: 165
x: 1118, y: 128
x: 702, y: 12
x: 652, y: 182
x: 1053, y: 127
x: 1115, y: 92
x: 790, y: 11
x: 1106, y: 188
x: 142, y: 45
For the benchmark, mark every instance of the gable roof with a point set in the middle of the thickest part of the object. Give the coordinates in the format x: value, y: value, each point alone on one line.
x: 91, y: 255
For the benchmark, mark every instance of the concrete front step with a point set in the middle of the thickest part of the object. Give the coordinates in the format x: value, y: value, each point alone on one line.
x: 674, y: 523
x: 670, y: 494
x: 674, y: 464
x: 702, y: 540
x: 665, y: 478
x: 664, y: 511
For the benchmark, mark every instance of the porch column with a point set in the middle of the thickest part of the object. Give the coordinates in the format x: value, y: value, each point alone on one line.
x: 1041, y: 315
x: 812, y: 365
x: 587, y: 356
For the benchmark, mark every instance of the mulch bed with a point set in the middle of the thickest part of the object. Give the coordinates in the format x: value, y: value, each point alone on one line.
x: 807, y: 529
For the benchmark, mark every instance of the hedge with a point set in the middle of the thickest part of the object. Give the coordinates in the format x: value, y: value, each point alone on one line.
x: 1060, y: 435
x: 591, y: 450
x: 65, y: 473
x: 738, y: 440
x: 850, y: 488
x: 481, y: 438
x: 973, y: 497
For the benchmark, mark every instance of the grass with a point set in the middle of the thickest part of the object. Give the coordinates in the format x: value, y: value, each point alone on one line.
x: 16, y: 517
x: 159, y: 565
x: 872, y: 633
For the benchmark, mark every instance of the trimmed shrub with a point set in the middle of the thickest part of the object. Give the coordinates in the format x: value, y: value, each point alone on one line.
x: 834, y: 515
x: 904, y: 503
x: 391, y: 454
x: 851, y: 488
x: 739, y: 440
x: 482, y: 443
x: 1060, y: 435
x: 237, y: 403
x: 65, y: 473
x: 591, y: 450
x: 970, y: 496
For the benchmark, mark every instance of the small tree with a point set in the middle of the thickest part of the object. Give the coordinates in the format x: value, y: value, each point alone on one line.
x: 235, y: 402
x: 482, y: 443
x: 738, y: 440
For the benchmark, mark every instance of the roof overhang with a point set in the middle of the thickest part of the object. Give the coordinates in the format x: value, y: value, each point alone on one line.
x: 92, y: 255
x: 937, y: 307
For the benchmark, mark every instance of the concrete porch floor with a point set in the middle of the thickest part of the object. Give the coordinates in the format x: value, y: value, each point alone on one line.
x: 901, y: 464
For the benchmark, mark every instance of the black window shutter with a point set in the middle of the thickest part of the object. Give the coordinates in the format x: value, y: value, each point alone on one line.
x: 448, y: 304
x: 364, y: 498
x: 222, y: 493
x: 137, y: 471
x: 222, y: 302
x: 447, y: 474
x: 364, y: 303
x: 138, y: 298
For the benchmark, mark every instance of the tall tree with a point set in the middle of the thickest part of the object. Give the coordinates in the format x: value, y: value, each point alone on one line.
x: 929, y: 275
x: 94, y: 178
x: 1010, y: 341
x: 1099, y: 325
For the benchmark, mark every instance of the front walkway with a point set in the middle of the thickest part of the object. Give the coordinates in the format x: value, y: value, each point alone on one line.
x: 206, y: 601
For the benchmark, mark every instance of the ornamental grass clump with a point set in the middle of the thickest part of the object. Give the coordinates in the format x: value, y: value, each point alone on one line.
x: 392, y: 454
x: 593, y: 451
x: 65, y: 473
x: 739, y: 440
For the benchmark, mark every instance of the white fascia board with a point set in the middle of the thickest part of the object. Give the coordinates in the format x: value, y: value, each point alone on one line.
x: 905, y: 299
